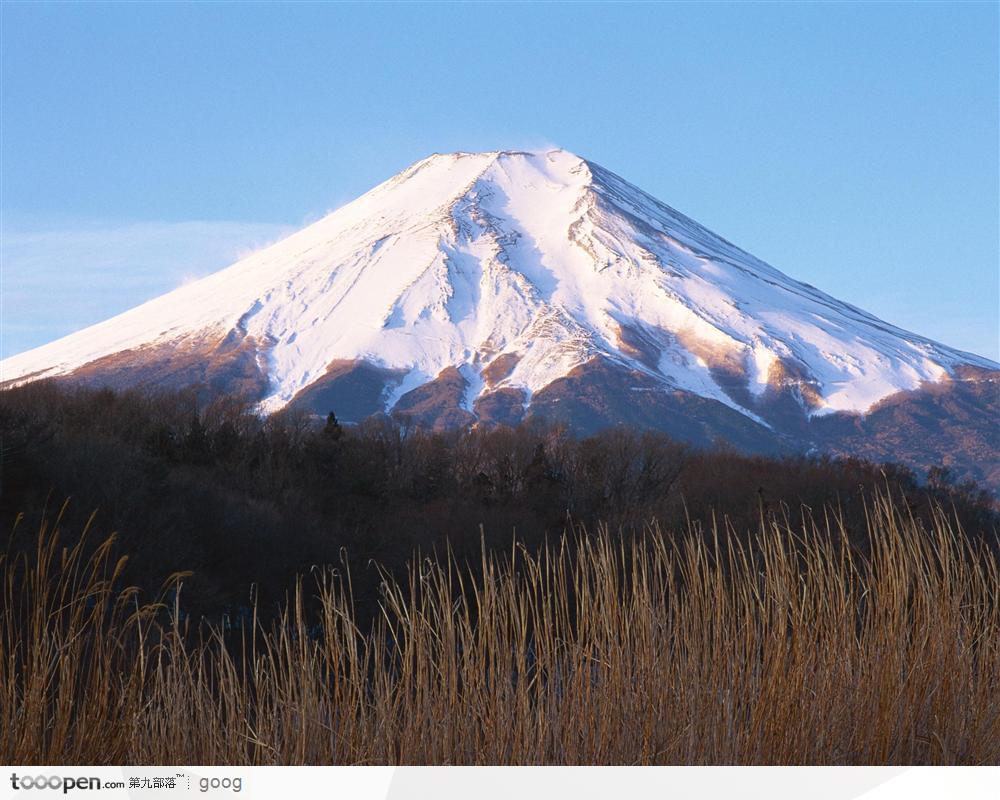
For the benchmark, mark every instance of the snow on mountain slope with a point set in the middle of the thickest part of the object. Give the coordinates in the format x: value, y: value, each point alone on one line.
x: 545, y: 258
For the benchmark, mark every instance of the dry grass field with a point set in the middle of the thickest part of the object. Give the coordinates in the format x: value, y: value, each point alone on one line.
x: 794, y: 647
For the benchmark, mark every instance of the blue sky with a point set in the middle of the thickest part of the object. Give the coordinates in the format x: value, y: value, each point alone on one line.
x: 853, y: 146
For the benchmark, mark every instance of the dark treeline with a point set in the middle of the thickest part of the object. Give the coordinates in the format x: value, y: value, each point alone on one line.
x: 238, y: 499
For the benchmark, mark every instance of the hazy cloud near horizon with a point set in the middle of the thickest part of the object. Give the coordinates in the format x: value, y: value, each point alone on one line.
x: 57, y: 279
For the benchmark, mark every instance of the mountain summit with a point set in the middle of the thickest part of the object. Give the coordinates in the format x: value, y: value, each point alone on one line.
x: 493, y: 286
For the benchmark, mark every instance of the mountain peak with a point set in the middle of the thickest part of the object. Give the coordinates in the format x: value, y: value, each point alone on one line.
x: 441, y: 170
x: 496, y: 154
x: 508, y: 272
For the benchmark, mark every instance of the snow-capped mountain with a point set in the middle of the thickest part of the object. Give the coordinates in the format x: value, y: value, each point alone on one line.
x: 494, y: 285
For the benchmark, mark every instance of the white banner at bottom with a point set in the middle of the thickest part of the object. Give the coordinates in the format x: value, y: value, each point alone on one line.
x: 503, y: 783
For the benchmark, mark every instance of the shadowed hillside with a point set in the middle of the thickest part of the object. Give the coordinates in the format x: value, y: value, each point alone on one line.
x: 236, y: 498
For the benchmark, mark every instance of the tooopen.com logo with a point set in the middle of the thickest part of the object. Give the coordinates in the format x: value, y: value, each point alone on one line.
x: 60, y: 783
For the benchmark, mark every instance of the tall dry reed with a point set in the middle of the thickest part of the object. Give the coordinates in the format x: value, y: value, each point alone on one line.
x: 790, y: 647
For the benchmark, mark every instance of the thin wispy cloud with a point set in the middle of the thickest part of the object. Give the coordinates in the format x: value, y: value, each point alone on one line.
x: 58, y: 278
